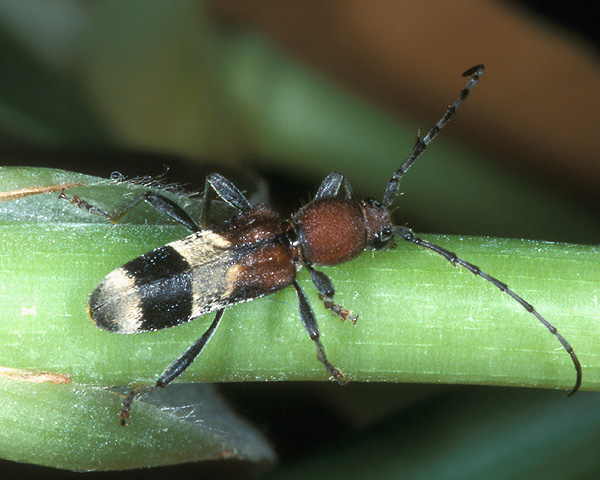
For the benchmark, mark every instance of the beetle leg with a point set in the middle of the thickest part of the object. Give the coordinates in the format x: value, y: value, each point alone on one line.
x: 326, y: 293
x: 330, y: 187
x: 173, y: 371
x: 162, y: 204
x: 218, y: 185
x: 310, y: 323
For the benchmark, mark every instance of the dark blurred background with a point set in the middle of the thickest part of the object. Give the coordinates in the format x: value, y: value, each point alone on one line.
x: 293, y: 90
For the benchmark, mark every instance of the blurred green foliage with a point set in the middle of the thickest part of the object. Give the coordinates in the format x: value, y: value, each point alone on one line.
x: 167, y: 77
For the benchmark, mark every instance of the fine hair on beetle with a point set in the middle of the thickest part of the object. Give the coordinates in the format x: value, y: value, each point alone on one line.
x: 257, y: 253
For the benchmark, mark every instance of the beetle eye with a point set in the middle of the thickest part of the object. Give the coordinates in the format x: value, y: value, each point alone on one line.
x: 382, y: 239
x: 386, y: 235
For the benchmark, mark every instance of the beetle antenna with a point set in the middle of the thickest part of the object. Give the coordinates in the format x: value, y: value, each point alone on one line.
x: 391, y: 190
x: 407, y: 234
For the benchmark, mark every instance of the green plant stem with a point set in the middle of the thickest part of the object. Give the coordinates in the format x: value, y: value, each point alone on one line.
x: 420, y: 319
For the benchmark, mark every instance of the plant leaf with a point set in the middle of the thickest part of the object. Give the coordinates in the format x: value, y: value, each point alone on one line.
x: 420, y: 320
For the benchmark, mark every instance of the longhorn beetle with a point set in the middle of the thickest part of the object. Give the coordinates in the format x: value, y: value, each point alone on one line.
x: 255, y: 254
